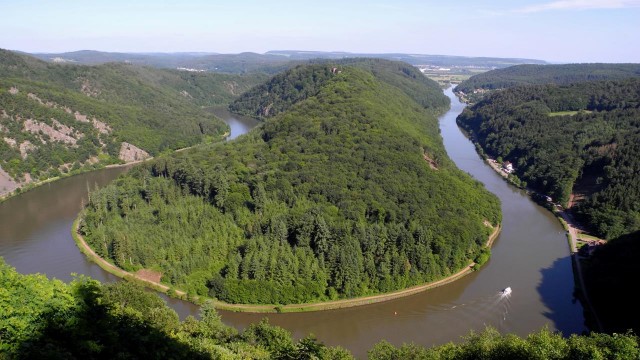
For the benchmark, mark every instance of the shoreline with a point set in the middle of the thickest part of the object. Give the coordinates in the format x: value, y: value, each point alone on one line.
x: 572, y: 233
x: 30, y: 186
x: 22, y: 189
x: 270, y: 308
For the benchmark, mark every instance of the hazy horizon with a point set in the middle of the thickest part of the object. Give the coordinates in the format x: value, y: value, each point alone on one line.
x: 554, y: 30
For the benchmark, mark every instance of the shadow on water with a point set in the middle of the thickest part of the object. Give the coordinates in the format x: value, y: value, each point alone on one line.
x: 554, y: 292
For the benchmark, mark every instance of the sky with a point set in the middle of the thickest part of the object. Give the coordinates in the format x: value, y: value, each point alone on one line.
x: 552, y: 30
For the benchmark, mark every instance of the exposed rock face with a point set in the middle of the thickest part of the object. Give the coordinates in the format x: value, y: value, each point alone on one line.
x: 97, y: 124
x: 101, y: 127
x: 231, y: 87
x: 7, y: 184
x: 80, y: 117
x: 88, y: 89
x: 131, y: 153
x: 35, y: 127
x: 25, y: 148
x: 10, y: 141
x: 186, y: 94
x: 14, y: 90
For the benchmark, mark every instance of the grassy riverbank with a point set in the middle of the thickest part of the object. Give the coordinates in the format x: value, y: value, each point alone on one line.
x: 267, y: 308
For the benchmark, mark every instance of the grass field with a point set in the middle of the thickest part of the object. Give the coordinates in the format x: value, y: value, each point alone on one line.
x: 569, y: 113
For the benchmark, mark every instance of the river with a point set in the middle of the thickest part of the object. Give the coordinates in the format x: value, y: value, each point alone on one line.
x: 531, y: 255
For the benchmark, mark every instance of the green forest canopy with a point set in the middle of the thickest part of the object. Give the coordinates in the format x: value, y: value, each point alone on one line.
x: 530, y: 74
x: 42, y: 318
x: 597, y: 148
x: 284, y: 90
x: 153, y: 109
x: 347, y: 192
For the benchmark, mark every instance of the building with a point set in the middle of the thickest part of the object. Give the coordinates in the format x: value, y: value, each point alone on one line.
x: 507, y: 167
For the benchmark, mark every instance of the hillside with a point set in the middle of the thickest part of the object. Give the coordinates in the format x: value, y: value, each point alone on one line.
x: 283, y: 90
x: 347, y: 192
x: 532, y: 74
x: 577, y: 143
x: 55, y: 118
x: 46, y: 319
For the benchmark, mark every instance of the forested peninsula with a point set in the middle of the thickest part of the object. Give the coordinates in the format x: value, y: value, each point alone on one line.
x: 345, y: 191
x: 58, y: 119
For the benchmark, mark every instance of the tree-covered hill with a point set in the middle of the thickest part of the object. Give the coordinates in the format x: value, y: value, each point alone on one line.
x: 347, y: 192
x: 581, y: 139
x: 530, y: 74
x: 59, y: 118
x: 282, y: 91
x: 47, y: 319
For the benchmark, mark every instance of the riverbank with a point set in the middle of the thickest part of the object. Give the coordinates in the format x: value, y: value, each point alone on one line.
x: 573, y: 231
x: 267, y: 308
x: 22, y: 189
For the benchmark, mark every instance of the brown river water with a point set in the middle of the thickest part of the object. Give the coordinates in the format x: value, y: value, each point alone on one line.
x: 531, y: 255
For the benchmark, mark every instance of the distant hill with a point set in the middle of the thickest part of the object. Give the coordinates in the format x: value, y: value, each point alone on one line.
x: 345, y: 190
x: 58, y: 118
x: 270, y: 62
x: 531, y: 74
x: 413, y: 59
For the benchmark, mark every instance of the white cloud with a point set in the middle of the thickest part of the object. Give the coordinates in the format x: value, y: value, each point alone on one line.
x: 580, y: 5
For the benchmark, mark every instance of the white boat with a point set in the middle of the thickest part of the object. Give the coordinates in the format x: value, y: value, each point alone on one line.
x: 506, y: 291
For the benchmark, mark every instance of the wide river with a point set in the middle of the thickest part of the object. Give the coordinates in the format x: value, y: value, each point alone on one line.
x: 531, y: 255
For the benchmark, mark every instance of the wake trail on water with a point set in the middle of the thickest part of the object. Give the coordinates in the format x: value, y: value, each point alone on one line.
x: 490, y: 310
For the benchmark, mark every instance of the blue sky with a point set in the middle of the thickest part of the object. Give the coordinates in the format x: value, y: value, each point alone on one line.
x: 553, y: 30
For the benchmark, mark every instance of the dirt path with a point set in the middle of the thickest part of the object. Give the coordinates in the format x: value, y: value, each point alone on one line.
x: 328, y: 305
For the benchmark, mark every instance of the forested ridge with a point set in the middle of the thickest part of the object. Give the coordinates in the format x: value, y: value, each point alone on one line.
x: 58, y: 118
x: 582, y: 138
x: 347, y: 192
x: 47, y: 319
x: 282, y: 91
x: 530, y: 74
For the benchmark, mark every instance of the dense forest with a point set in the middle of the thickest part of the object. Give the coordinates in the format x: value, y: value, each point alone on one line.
x: 47, y: 319
x: 531, y: 74
x: 286, y: 89
x: 58, y: 118
x: 581, y: 139
x: 347, y: 192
